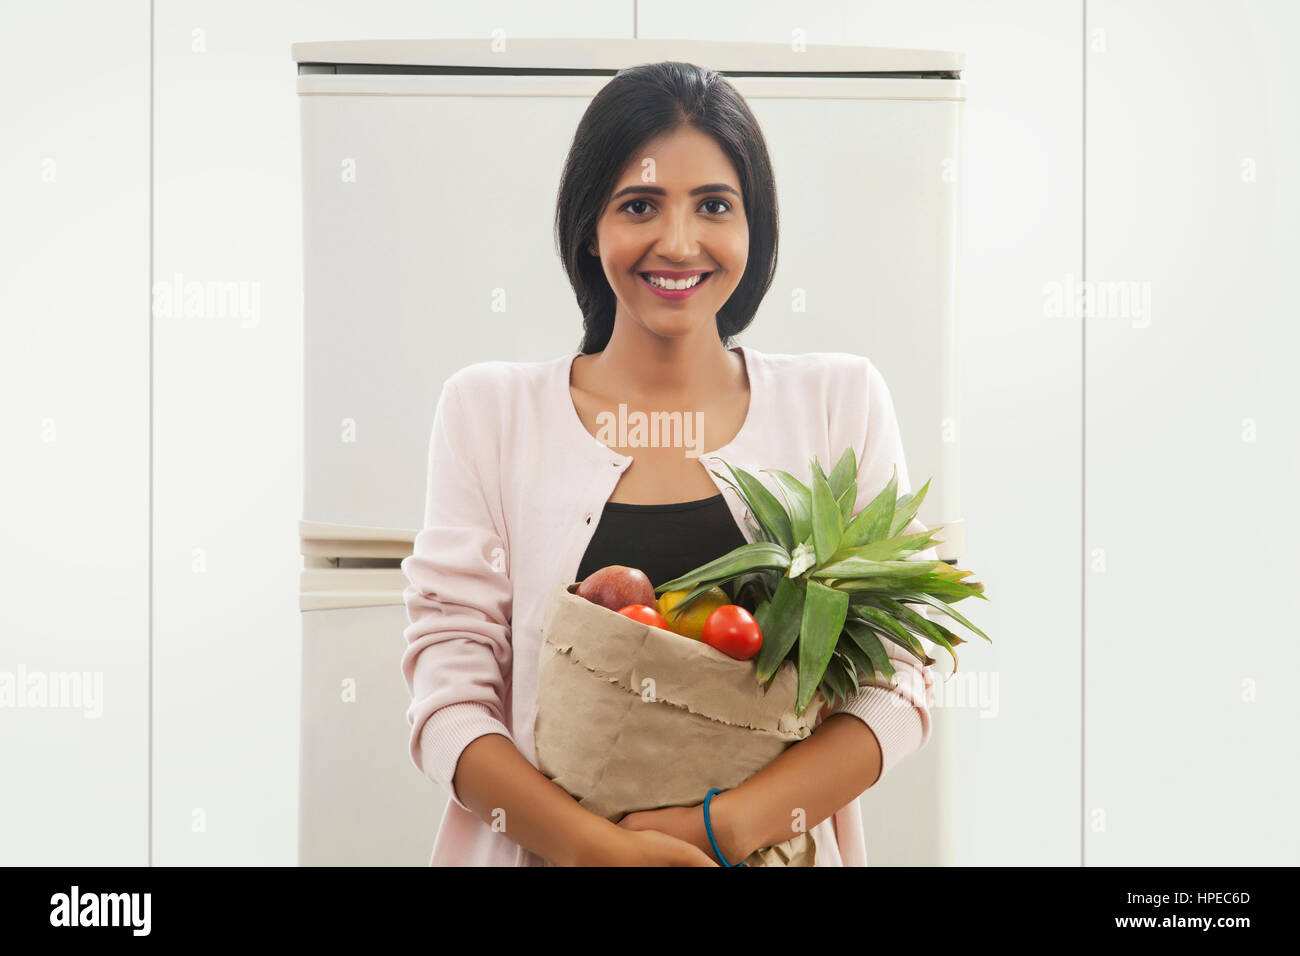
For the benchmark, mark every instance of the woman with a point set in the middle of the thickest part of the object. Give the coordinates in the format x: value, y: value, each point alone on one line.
x: 667, y: 226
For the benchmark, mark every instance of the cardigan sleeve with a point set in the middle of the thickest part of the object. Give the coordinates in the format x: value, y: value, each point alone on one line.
x: 458, y: 654
x: 898, y: 713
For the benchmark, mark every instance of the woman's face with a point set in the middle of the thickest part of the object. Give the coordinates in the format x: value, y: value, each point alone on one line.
x: 675, y: 208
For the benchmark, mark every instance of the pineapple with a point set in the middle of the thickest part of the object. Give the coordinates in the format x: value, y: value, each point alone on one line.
x: 827, y: 586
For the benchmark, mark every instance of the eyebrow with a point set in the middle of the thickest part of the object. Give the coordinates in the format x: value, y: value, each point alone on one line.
x: 660, y: 191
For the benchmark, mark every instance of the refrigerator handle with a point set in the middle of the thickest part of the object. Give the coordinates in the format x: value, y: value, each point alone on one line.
x: 352, y: 565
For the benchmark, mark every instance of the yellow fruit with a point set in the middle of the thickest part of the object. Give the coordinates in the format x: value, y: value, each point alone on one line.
x: 690, y: 621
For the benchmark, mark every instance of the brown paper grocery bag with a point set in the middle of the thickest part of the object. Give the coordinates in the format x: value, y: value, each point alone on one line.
x: 632, y: 717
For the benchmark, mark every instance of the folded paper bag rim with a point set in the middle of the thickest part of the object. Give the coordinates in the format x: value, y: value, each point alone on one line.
x: 732, y: 692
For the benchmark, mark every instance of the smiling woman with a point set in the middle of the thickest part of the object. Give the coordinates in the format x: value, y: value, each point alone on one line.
x: 669, y: 177
x: 676, y: 243
x: 667, y: 227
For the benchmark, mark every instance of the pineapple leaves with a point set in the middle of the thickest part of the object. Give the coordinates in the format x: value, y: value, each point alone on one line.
x: 827, y: 523
x: 907, y: 508
x: 763, y: 505
x: 748, y: 557
x: 897, y: 546
x: 798, y: 500
x: 824, y: 612
x: 918, y: 624
x: 844, y: 484
x: 917, y: 597
x: 850, y: 649
x: 874, y: 522
x: 885, y: 624
x: 802, y: 559
x: 779, y: 623
x: 868, y: 644
x: 847, y: 499
x: 941, y: 581
x: 838, y: 680
x: 845, y: 474
x: 830, y: 589
x: 854, y: 568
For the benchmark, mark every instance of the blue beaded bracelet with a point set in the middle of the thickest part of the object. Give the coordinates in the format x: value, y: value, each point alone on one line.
x: 708, y: 828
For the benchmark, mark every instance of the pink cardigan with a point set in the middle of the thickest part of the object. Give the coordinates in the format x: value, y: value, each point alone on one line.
x: 516, y: 487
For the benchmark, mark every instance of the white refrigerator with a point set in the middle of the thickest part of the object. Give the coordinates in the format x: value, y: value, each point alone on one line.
x: 430, y: 170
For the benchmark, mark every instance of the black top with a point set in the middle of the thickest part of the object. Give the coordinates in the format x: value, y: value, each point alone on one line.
x: 664, y: 541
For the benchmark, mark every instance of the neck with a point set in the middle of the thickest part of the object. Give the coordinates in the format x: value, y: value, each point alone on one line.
x: 686, y: 370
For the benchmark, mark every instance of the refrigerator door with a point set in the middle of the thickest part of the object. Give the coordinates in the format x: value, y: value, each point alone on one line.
x: 430, y: 171
x: 362, y: 802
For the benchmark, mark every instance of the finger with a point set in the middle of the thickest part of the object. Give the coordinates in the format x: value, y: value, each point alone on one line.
x: 700, y: 858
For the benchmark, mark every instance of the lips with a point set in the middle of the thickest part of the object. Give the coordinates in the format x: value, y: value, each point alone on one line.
x: 677, y: 276
x: 670, y: 274
x: 674, y: 293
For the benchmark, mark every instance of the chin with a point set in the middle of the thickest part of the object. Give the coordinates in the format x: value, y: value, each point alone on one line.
x: 673, y: 329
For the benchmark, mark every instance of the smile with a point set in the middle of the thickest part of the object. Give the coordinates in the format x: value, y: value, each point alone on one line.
x: 674, y: 288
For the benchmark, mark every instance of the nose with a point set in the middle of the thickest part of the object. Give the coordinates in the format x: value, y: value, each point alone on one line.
x: 678, y: 241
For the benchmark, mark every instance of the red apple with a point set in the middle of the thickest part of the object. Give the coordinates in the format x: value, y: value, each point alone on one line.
x: 617, y: 586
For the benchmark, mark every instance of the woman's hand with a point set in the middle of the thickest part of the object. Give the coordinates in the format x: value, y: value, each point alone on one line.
x: 687, y: 824
x: 621, y: 846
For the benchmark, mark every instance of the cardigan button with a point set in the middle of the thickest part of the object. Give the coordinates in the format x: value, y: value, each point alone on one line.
x: 588, y: 519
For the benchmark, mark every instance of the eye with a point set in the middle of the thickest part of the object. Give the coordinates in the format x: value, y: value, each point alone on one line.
x: 633, y: 202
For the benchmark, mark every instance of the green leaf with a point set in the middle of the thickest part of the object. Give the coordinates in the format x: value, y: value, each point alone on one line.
x: 895, y: 547
x: 918, y: 597
x: 941, y: 581
x: 847, y: 499
x: 751, y: 590
x: 845, y: 662
x: 803, y: 558
x: 845, y: 474
x: 824, y: 611
x: 919, y: 625
x: 835, y: 680
x: 861, y: 589
x: 844, y: 484
x: 780, y: 627
x: 758, y: 532
x: 854, y: 567
x: 748, y: 557
x: 907, y: 508
x: 798, y: 500
x: 847, y: 668
x: 851, y: 649
x: 826, y: 522
x: 873, y: 522
x: 886, y: 624
x: 763, y: 505
x: 866, y: 640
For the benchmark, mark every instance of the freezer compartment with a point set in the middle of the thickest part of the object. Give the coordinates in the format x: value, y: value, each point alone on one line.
x: 362, y: 801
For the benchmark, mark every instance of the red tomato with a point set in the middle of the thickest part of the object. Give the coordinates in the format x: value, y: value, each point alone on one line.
x: 645, y: 614
x: 733, y: 630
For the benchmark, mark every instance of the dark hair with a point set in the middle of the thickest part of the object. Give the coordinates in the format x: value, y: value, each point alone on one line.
x: 636, y: 106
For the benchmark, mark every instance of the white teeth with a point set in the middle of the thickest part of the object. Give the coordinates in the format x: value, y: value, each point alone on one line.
x: 676, y: 284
